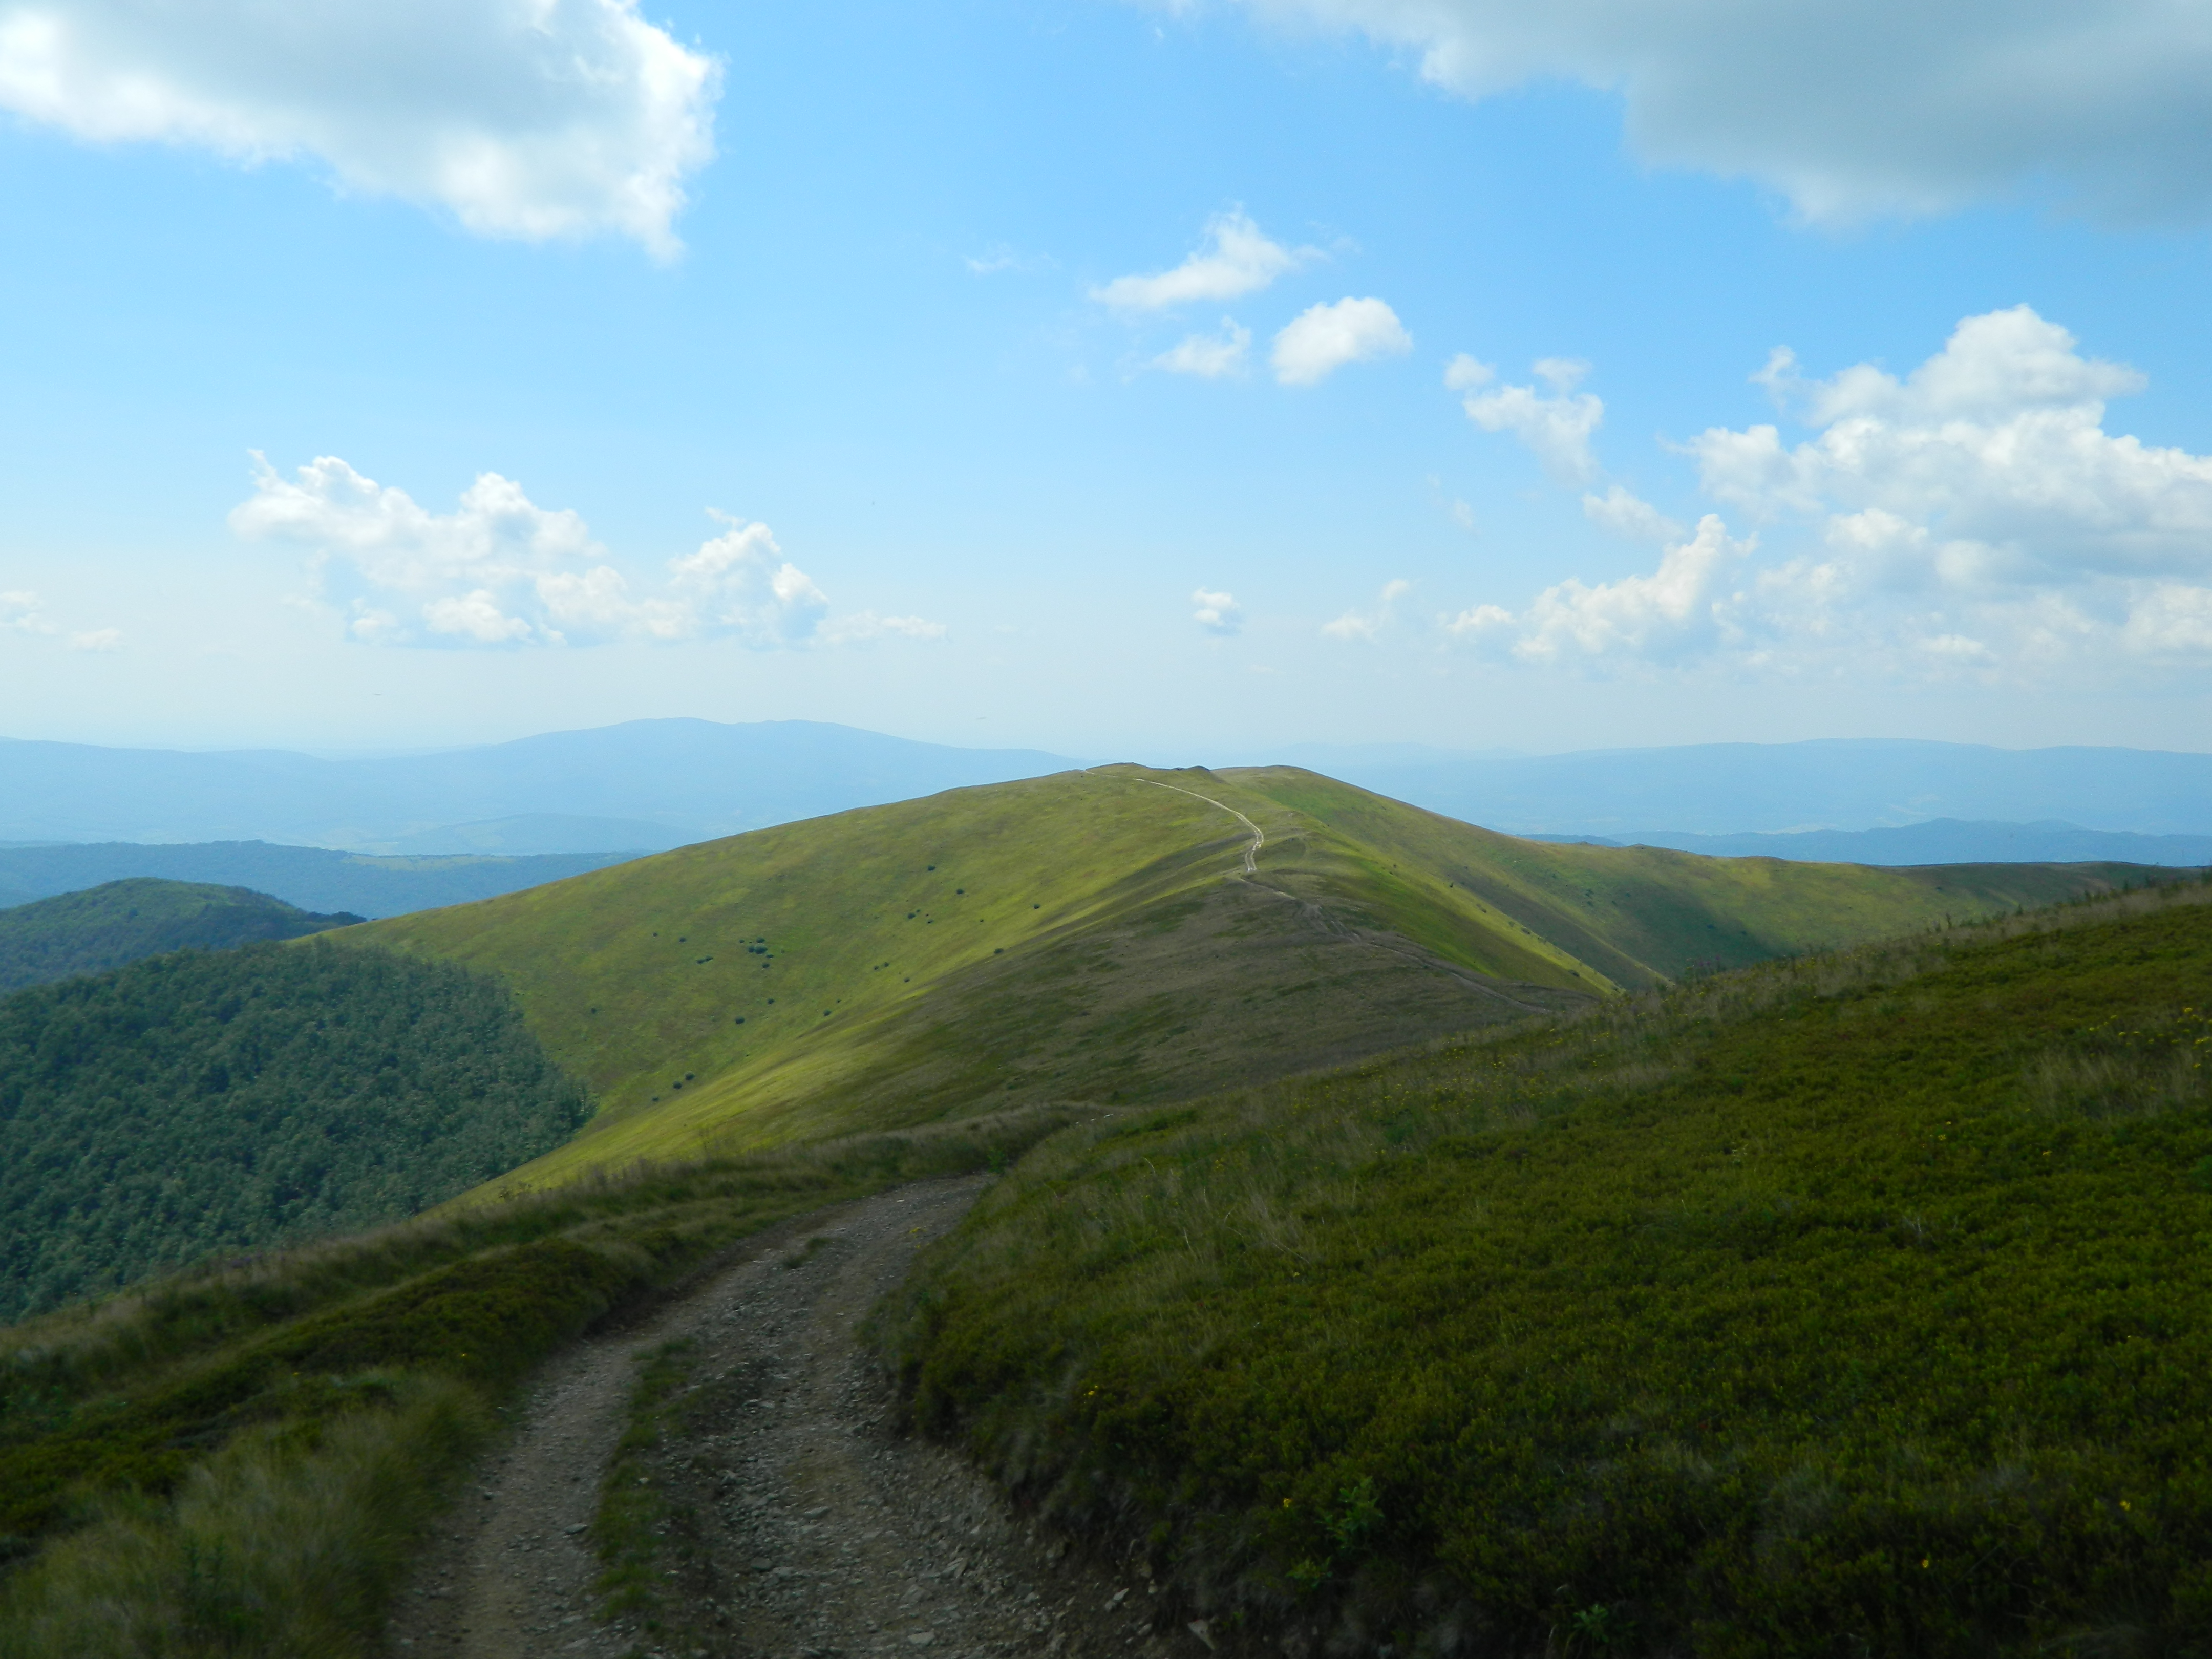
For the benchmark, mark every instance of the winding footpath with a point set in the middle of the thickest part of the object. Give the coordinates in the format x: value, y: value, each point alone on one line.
x: 802, y: 1522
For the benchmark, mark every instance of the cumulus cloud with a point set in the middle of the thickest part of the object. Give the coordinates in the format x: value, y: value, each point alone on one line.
x: 1556, y: 425
x: 1368, y: 624
x: 1209, y: 357
x: 1975, y: 514
x: 1323, y: 338
x: 1234, y: 260
x: 1680, y: 610
x: 1217, y: 613
x: 501, y: 571
x: 1983, y: 484
x: 1870, y: 107
x: 554, y: 118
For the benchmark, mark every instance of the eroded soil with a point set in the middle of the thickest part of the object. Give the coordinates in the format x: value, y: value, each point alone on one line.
x: 794, y: 1519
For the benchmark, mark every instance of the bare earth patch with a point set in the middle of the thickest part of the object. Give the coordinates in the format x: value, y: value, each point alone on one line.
x: 796, y: 1521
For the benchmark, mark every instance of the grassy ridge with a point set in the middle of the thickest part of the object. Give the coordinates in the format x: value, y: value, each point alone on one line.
x: 240, y: 1462
x: 1845, y: 1306
x: 1088, y: 936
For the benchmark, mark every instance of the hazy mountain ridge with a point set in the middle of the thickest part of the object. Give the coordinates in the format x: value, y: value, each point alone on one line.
x: 315, y: 878
x: 692, y: 778
x: 1940, y: 841
x: 1847, y: 784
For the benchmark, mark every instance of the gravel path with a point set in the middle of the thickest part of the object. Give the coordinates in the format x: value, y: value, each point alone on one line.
x: 798, y: 1524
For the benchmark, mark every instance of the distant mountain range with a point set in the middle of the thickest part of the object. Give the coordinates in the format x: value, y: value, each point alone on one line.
x: 1943, y: 841
x: 315, y: 878
x: 650, y: 785
x: 1734, y: 789
x: 641, y: 786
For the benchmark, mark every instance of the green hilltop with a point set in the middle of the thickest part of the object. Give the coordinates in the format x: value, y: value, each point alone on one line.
x: 120, y: 921
x: 1096, y: 936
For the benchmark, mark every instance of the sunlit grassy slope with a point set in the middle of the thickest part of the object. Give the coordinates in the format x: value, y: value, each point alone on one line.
x: 1091, y: 936
x: 1855, y: 1305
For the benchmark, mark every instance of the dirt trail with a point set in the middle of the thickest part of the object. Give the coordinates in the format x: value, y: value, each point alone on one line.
x: 803, y: 1525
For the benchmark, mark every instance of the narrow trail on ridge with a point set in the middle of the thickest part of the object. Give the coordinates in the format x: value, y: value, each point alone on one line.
x: 1259, y: 836
x: 797, y: 1519
x: 1317, y: 918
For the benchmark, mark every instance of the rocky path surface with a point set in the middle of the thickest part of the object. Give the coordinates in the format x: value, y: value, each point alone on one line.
x: 795, y: 1522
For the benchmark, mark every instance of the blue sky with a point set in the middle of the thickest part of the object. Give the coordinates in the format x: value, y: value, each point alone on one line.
x: 1109, y: 377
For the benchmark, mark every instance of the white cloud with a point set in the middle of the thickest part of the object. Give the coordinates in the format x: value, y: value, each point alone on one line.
x: 20, y: 614
x: 1236, y: 259
x: 502, y: 571
x: 1556, y: 427
x: 1323, y: 338
x: 1874, y: 106
x: 1209, y: 357
x: 541, y: 119
x: 1680, y: 610
x: 1369, y: 625
x: 1628, y: 517
x: 1986, y: 471
x: 1464, y: 374
x: 1217, y: 613
x: 1974, y: 514
x: 1000, y: 258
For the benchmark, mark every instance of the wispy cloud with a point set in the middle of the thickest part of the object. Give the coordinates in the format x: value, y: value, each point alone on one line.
x: 1234, y: 260
x: 1209, y: 357
x: 1217, y: 613
x: 1368, y: 624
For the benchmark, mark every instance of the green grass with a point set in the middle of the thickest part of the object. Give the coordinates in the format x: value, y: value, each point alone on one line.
x: 107, y: 926
x: 1082, y: 937
x: 249, y: 1453
x: 1853, y: 1304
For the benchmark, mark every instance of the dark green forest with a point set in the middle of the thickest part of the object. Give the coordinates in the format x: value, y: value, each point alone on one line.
x: 107, y: 926
x: 202, y: 1103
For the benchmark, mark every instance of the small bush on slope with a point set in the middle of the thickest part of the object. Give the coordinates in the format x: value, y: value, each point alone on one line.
x: 239, y: 1462
x: 199, y: 1102
x: 1845, y: 1306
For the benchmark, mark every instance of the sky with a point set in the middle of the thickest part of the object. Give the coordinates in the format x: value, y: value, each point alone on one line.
x: 1171, y: 381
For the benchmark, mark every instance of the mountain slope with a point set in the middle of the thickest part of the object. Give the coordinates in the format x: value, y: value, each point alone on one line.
x: 1857, y: 1304
x: 88, y: 932
x: 223, y: 1100
x: 1095, y: 936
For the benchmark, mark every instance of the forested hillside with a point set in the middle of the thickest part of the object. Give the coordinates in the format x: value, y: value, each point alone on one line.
x: 124, y: 921
x: 199, y: 1102
x: 1847, y: 1305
